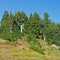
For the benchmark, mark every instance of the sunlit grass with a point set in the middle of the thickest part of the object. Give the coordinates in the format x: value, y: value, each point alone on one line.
x: 26, y: 54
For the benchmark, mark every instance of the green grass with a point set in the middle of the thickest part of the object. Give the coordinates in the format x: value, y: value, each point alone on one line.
x: 55, y: 52
x: 12, y: 53
x: 27, y: 54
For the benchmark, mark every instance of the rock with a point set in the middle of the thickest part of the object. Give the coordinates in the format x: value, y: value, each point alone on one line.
x: 55, y: 46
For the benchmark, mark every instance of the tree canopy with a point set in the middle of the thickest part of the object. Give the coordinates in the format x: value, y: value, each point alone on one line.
x: 11, y: 26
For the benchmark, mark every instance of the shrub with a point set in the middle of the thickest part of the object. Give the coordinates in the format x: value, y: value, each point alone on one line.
x: 50, y: 41
x: 31, y: 39
x: 37, y: 48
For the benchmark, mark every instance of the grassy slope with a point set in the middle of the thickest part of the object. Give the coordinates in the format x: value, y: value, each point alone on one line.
x: 21, y: 52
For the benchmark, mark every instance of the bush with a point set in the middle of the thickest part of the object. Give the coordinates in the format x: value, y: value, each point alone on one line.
x: 10, y: 36
x: 6, y: 36
x: 37, y: 48
x: 56, y: 42
x: 31, y: 39
x: 50, y: 41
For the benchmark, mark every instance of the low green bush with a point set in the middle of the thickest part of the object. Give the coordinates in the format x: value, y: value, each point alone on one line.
x: 37, y: 48
x: 32, y: 40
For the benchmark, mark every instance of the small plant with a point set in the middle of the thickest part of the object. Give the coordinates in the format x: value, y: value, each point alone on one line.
x: 37, y: 48
x: 31, y: 39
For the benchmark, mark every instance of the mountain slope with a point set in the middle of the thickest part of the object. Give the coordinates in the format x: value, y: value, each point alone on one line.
x: 22, y: 52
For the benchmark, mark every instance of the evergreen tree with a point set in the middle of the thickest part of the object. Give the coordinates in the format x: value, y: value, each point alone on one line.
x: 10, y: 27
x: 5, y: 21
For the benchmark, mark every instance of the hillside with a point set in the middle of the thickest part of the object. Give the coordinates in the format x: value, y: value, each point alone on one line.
x: 8, y: 51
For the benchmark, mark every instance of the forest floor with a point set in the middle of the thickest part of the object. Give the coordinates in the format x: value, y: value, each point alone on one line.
x: 21, y: 52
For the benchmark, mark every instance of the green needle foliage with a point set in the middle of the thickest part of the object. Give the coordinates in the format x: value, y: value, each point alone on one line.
x: 10, y: 27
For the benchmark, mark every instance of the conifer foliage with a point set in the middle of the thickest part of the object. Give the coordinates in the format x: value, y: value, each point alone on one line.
x: 11, y: 24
